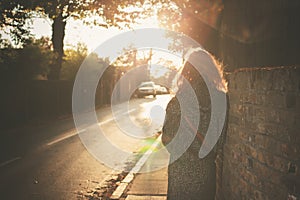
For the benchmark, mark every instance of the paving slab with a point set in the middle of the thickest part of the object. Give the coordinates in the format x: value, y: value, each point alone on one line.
x: 152, y: 183
x: 136, y: 197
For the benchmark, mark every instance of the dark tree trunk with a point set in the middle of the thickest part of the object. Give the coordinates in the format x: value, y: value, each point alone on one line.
x: 58, y: 35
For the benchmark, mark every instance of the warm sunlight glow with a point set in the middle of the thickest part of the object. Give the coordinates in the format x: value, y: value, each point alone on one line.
x: 94, y: 35
x: 91, y: 35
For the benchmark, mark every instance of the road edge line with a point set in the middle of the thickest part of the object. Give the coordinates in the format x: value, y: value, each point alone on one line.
x: 9, y: 161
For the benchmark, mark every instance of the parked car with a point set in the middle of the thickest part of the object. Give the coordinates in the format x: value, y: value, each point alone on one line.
x: 161, y: 90
x: 146, y: 88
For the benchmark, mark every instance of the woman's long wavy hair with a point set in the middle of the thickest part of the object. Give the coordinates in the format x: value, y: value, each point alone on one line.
x: 200, y: 86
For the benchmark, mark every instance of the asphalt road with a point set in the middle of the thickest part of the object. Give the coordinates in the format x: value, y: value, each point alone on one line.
x: 51, y: 162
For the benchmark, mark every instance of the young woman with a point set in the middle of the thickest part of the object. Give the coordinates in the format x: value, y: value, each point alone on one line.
x: 189, y: 177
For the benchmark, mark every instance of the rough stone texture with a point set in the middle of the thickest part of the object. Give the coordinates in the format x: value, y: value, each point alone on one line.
x: 262, y: 149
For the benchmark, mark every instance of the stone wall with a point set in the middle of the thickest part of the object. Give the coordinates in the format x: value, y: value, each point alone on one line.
x: 262, y: 148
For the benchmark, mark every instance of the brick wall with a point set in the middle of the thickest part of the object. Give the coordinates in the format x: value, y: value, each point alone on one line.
x: 262, y: 148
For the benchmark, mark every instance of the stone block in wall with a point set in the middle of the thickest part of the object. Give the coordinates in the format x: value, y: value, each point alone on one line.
x: 298, y: 101
x: 289, y: 151
x: 276, y: 130
x: 261, y: 80
x: 270, y: 179
x: 274, y: 99
x: 280, y: 83
x: 252, y: 98
x: 273, y: 161
x: 235, y: 119
x: 290, y: 100
x: 273, y: 115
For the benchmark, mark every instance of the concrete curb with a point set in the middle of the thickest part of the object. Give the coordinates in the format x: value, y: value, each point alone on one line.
x: 120, y: 190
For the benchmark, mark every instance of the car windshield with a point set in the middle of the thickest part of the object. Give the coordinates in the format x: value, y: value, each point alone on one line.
x: 146, y: 85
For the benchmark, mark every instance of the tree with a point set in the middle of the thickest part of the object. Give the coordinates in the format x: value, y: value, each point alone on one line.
x: 131, y: 57
x: 72, y: 61
x: 112, y: 13
x: 13, y: 15
x: 33, y: 61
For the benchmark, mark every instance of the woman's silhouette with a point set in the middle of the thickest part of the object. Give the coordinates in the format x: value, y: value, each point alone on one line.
x: 189, y: 177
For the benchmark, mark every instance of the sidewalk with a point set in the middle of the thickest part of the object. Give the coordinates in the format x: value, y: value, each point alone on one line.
x: 151, y: 185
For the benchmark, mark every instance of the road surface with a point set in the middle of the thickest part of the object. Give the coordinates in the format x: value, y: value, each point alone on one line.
x: 51, y: 162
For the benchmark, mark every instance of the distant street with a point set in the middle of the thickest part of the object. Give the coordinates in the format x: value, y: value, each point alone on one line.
x: 50, y: 161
